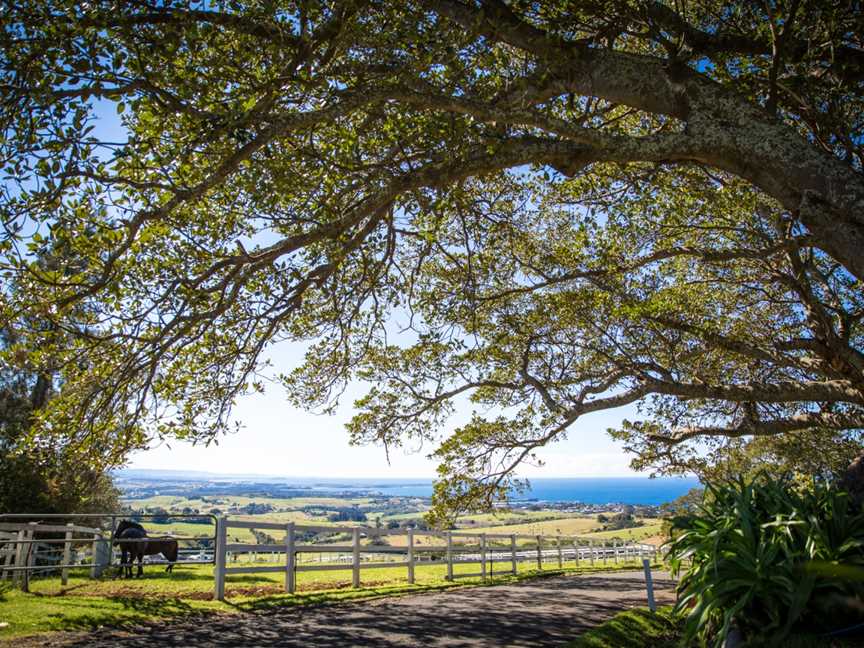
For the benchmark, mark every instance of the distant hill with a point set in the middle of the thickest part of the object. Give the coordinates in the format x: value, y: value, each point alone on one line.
x: 189, y: 475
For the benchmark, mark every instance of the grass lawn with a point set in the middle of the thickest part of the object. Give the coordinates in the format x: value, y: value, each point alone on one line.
x: 86, y: 604
x: 639, y: 628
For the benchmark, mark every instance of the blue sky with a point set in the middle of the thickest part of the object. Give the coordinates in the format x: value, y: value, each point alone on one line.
x: 278, y: 439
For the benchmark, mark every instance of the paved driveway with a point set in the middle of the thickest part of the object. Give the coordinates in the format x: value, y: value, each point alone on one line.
x: 540, y: 612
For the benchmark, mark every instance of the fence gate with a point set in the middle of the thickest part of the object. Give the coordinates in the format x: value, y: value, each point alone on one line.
x: 40, y: 544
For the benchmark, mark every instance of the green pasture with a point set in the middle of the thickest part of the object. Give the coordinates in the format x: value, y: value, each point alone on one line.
x: 189, y: 529
x: 652, y: 528
x: 561, y: 526
x: 288, y: 510
x: 573, y: 526
x: 178, y: 502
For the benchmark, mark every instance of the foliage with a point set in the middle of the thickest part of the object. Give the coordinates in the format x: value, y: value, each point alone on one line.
x: 551, y: 209
x: 347, y: 514
x: 685, y: 504
x: 637, y: 628
x: 261, y: 537
x: 770, y: 559
x: 45, y: 478
x: 809, y: 453
x: 619, y: 521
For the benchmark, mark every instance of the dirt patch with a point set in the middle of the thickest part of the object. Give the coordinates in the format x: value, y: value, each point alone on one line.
x: 656, y: 540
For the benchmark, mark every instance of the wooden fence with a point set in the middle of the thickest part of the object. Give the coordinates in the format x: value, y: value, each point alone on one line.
x: 28, y: 548
x: 457, y: 547
x: 22, y: 553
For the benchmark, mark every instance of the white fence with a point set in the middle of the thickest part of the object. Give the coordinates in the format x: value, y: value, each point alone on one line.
x: 457, y: 547
x: 31, y: 548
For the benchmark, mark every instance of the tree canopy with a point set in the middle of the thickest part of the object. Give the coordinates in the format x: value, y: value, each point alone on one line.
x: 46, y: 477
x: 567, y: 207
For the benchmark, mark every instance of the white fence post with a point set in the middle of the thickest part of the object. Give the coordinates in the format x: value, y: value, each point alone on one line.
x: 560, y: 557
x: 649, y: 585
x: 449, y: 555
x: 576, y: 549
x: 483, y: 556
x: 539, y: 553
x: 355, y: 576
x: 289, y: 558
x: 591, y: 550
x: 31, y: 555
x: 615, y: 551
x: 94, y: 570
x: 111, y: 540
x: 7, y: 552
x: 513, y: 552
x: 67, y: 555
x: 410, y: 556
x: 17, y: 575
x: 219, y: 567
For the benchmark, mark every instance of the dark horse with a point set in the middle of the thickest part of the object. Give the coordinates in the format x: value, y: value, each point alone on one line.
x: 134, y: 543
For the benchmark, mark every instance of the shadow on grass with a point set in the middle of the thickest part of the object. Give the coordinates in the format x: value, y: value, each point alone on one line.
x: 329, y: 597
x: 131, y: 611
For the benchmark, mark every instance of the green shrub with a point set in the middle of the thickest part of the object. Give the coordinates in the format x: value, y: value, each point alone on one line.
x: 770, y: 560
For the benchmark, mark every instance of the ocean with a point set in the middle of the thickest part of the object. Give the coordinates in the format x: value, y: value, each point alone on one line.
x: 588, y: 490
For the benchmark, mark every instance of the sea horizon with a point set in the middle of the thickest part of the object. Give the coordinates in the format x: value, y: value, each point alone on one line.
x: 586, y: 490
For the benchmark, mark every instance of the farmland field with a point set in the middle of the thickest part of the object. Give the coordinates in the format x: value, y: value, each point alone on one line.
x: 379, y: 511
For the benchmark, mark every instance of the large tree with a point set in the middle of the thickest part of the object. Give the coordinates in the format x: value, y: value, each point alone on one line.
x: 53, y: 476
x: 573, y: 206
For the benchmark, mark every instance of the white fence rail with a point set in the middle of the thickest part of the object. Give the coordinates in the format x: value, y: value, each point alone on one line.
x: 456, y: 547
x: 31, y: 548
